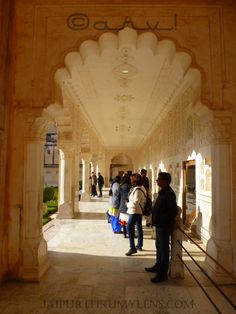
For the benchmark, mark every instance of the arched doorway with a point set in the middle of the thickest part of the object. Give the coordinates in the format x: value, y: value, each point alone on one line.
x: 125, y: 110
x: 120, y: 164
x: 51, y: 174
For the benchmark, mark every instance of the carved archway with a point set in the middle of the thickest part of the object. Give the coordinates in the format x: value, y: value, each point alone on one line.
x: 106, y: 78
x: 119, y: 164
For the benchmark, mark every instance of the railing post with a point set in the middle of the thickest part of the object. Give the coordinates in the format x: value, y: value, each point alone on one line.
x: 176, y: 266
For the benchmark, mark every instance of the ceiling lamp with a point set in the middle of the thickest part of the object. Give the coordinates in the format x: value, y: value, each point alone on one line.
x: 125, y: 70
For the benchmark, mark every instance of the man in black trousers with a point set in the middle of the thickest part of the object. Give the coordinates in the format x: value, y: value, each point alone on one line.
x: 163, y: 216
x: 100, y: 183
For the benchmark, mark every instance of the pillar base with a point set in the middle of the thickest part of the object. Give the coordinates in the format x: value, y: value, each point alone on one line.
x: 85, y: 197
x: 176, y: 266
x: 222, y: 252
x: 35, y: 261
x: 65, y: 211
x: 176, y: 270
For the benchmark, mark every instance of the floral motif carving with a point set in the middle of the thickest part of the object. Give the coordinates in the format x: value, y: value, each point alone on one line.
x: 64, y: 136
x: 124, y: 97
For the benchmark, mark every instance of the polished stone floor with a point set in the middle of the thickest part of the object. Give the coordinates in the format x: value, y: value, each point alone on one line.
x: 90, y: 273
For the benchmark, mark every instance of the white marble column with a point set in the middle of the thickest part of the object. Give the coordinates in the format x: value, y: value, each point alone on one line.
x: 85, y: 196
x: 61, y: 183
x: 220, y: 245
x: 108, y: 173
x: 35, y: 259
x: 101, y: 167
x: 76, y: 181
x: 103, y: 172
x: 176, y: 266
x: 66, y: 187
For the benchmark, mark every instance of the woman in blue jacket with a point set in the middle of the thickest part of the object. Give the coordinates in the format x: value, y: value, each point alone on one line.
x: 114, y: 203
x: 125, y: 186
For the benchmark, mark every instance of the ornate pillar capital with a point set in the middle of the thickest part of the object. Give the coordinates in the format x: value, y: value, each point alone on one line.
x: 86, y: 157
x: 35, y: 124
x: 67, y: 147
x: 68, y: 152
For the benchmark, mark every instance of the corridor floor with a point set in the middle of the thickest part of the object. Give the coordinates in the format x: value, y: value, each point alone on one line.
x: 90, y: 273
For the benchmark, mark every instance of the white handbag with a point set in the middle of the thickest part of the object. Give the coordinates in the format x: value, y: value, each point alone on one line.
x: 123, y: 218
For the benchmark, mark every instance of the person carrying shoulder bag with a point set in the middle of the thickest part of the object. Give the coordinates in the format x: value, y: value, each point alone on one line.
x: 137, y: 199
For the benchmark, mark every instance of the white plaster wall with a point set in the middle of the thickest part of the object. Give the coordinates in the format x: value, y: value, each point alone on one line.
x: 51, y: 176
x: 173, y: 141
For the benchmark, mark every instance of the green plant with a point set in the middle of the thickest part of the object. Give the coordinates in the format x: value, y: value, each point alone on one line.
x: 48, y: 193
x: 46, y: 219
x: 52, y: 203
x: 50, y: 197
x: 55, y: 196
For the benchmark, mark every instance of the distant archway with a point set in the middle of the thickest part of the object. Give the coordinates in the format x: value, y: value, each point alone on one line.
x: 120, y: 164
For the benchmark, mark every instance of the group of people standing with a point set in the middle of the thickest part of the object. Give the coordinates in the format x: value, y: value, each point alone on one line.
x: 94, y: 181
x: 127, y: 200
x: 119, y: 194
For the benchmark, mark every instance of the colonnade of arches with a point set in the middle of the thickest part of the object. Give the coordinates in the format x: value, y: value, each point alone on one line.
x: 206, y: 140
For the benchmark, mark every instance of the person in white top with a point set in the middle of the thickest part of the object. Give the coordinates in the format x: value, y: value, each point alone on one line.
x: 137, y: 199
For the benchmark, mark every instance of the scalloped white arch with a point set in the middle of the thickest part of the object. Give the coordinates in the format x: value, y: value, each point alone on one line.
x: 124, y: 79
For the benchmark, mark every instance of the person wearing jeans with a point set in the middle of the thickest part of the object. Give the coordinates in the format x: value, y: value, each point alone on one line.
x: 135, y: 220
x: 163, y: 216
x: 137, y: 199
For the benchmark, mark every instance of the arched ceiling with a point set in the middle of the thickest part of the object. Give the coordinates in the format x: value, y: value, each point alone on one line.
x: 123, y: 82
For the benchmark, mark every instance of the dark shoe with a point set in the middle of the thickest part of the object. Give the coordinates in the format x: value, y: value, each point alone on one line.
x: 152, y: 269
x: 138, y: 248
x: 158, y: 279
x: 130, y: 252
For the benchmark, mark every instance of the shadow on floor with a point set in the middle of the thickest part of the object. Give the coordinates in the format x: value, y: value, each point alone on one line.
x: 90, y: 216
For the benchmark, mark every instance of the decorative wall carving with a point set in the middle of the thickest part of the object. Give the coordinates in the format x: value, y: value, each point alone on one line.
x: 122, y: 128
x: 205, y: 175
x: 124, y: 97
x: 125, y: 71
x: 125, y: 55
x: 36, y: 127
x: 189, y: 128
x: 177, y: 174
x: 205, y: 131
x: 170, y: 170
x: 222, y: 128
x: 64, y: 136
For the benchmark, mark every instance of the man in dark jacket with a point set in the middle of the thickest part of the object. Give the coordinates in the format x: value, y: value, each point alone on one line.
x: 146, y: 185
x: 100, y: 183
x: 163, y: 216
